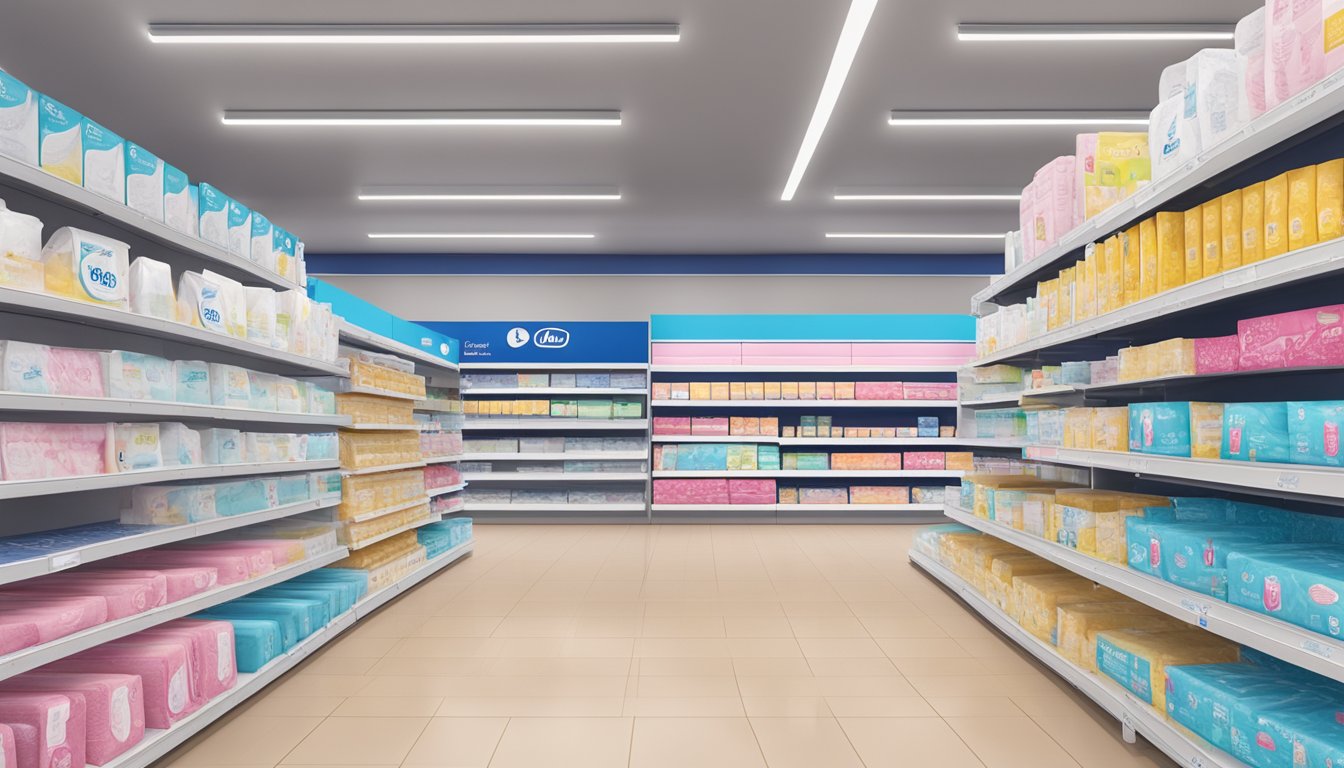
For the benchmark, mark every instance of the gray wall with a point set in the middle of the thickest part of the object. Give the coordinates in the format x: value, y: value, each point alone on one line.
x: 635, y: 297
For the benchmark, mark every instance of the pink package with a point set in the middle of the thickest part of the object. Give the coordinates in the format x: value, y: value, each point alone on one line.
x: 8, y: 751
x: 1218, y: 354
x: 925, y: 390
x: 114, y: 707
x: 75, y: 372
x: 1061, y: 175
x: 1085, y: 164
x: 1043, y: 208
x: 687, y: 353
x: 59, y: 721
x: 706, y: 425
x: 17, y: 633
x: 671, y: 425
x: 879, y: 390
x: 183, y: 581
x: 912, y: 353
x: 38, y: 451
x: 125, y: 596
x: 259, y: 559
x: 691, y: 491
x: 162, y: 667
x: 788, y: 353
x: 1294, y: 54
x: 742, y: 491
x: 53, y: 616
x: 230, y: 567
x: 212, y: 663
x: 1307, y: 337
x: 923, y: 459
x: 283, y: 551
x: 1026, y: 221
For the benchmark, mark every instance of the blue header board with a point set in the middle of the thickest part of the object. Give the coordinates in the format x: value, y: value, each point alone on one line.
x: 812, y: 328
x: 363, y: 314
x: 549, y: 342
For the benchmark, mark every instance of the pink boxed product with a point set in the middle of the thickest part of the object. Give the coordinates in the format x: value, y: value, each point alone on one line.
x: 259, y: 559
x: 1043, y: 226
x: 913, y: 353
x: 1085, y: 164
x: 678, y: 353
x: 879, y: 390
x: 1218, y: 354
x: 162, y: 667
x: 230, y: 567
x: 691, y: 491
x: 671, y: 425
x: 705, y: 425
x: 1060, y: 171
x: 930, y: 390
x: 283, y: 551
x: 1294, y: 55
x: 1306, y: 337
x: 38, y: 451
x: 1026, y: 220
x: 823, y: 495
x: 923, y: 459
x: 17, y: 633
x: 183, y: 581
x: 114, y: 707
x: 125, y: 595
x: 59, y: 721
x: 802, y: 353
x: 50, y: 616
x: 741, y: 491
x: 9, y: 756
x: 75, y: 372
x: 212, y: 664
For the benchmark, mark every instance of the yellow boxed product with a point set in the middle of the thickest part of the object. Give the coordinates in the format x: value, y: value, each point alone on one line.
x: 807, y: 390
x: 1194, y: 241
x: 1110, y: 429
x: 1114, y: 284
x: 1276, y: 216
x: 494, y: 408
x: 1133, y: 363
x: 470, y: 407
x: 1036, y: 599
x: 1148, y: 270
x: 1066, y: 295
x: 1081, y: 510
x: 719, y: 390
x: 1170, y: 251
x: 1085, y: 287
x: 999, y: 582
x: 1329, y: 200
x: 982, y: 485
x: 772, y: 390
x: 825, y: 390
x: 976, y: 560
x: 770, y: 426
x: 700, y: 390
x: 1231, y: 229
x: 742, y: 457
x: 1253, y: 223
x: 1211, y: 234
x: 1047, y: 292
x: 1172, y: 357
x: 844, y: 390
x: 1078, y: 428
x: 1079, y: 624
x: 1302, y: 208
x: 1120, y: 652
x: 1010, y: 502
x: 958, y: 461
x: 789, y: 390
x: 1206, y: 430
x: 737, y: 390
x: 755, y: 390
x: 1131, y: 265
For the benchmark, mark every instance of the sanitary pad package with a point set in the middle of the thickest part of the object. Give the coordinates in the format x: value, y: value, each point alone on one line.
x: 230, y: 386
x: 60, y: 131
x: 1256, y: 432
x: 200, y: 302
x: 192, y: 382
x: 104, y: 162
x: 181, y: 445
x: 133, y: 376
x: 18, y: 120
x: 233, y: 304
x: 151, y: 291
x: 144, y: 181
x: 88, y: 267
x: 20, y: 249
x: 23, y: 367
x: 137, y: 447
x: 179, y: 204
x: 214, y: 216
x: 260, y: 315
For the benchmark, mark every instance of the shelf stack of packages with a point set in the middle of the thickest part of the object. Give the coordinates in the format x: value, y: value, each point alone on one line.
x: 566, y: 441
x: 825, y: 430
x: 1165, y: 357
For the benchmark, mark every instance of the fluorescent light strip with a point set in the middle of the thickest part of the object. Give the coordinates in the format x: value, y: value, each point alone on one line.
x: 465, y: 117
x: 412, y: 34
x: 488, y: 194
x: 912, y: 236
x: 990, y: 118
x: 1098, y: 32
x: 920, y: 197
x: 480, y: 236
x: 851, y: 34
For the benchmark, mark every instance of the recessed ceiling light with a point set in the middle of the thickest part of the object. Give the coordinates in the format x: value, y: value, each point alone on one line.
x: 913, y: 236
x: 990, y: 117
x: 1099, y: 32
x: 912, y: 196
x: 481, y: 236
x: 429, y: 117
x: 488, y: 194
x: 851, y: 34
x: 412, y: 34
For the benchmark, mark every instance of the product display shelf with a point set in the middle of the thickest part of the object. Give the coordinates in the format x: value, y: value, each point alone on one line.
x: 490, y: 506
x: 435, y: 406
x: 1133, y: 715
x: 569, y: 456
x: 1161, y: 382
x: 376, y: 600
x: 812, y: 473
x: 30, y: 658
x: 380, y: 512
x: 799, y: 507
x: 447, y: 489
x: 355, y: 336
x: 810, y: 369
x: 374, y: 427
x: 96, y: 408
x: 17, y: 489
x: 531, y: 391
x: 383, y: 468
x: 453, y: 459
x: 555, y: 425
x: 1276, y: 130
x: 389, y: 534
x: 932, y: 442
x: 993, y: 401
x: 813, y: 404
x: 556, y: 367
x: 376, y: 392
x: 554, y: 477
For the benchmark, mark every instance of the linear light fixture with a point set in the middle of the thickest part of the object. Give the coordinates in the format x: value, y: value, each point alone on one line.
x: 990, y: 117
x: 913, y: 236
x: 931, y: 196
x: 851, y: 34
x: 481, y: 236
x: 428, y: 117
x: 411, y: 34
x: 1089, y: 32
x: 488, y: 194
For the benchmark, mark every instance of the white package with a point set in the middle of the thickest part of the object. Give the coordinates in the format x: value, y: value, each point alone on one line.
x: 1172, y: 139
x: 230, y: 386
x: 233, y: 303
x: 104, y: 162
x: 262, y: 390
x: 133, y: 376
x: 192, y: 382
x: 1172, y: 82
x: 1294, y: 48
x: 60, y: 140
x: 222, y: 446
x: 23, y: 367
x: 170, y: 505
x: 20, y: 249
x: 289, y: 395
x: 87, y: 267
x: 260, y: 315
x: 137, y: 447
x: 293, y: 321
x: 144, y: 181
x: 260, y: 246
x: 200, y: 302
x: 282, y: 251
x: 18, y: 120
x: 214, y: 215
x: 179, y: 204
x: 1249, y: 43
x: 180, y: 444
x: 151, y: 292
x: 1212, y: 80
x: 240, y: 229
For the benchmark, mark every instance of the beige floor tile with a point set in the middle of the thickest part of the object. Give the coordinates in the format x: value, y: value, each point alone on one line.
x: 758, y: 667
x: 880, y: 706
x: 764, y: 648
x: 802, y: 742
x: 912, y: 741
x: 291, y: 706
x: 460, y: 607
x: 840, y: 648
x: 778, y: 686
x: 502, y: 706
x: 1011, y: 742
x: 320, y: 685
x: 852, y: 667
x: 757, y: 626
x: 702, y: 742
x: 865, y: 609
x: 607, y: 626
x: 388, y: 706
x: 827, y: 627
x: 904, y: 648
x: 795, y: 608
x: 564, y: 742
x: 750, y: 608
x: 682, y: 626
x: 886, y: 685
x: 247, y: 741
x: 988, y: 647
x: 743, y: 589
x: 373, y: 647
x: 614, y: 590
x: 424, y: 667
x: 703, y: 667
x: 941, y: 666
x: 443, y: 648
x: 975, y: 706
x: 534, y: 626
x: 1092, y: 741
x: 524, y: 667
x: 426, y: 686
x: 677, y: 648
x: 1058, y: 704
x: 459, y: 626
x: 338, y: 665
x: 699, y: 706
x: 457, y: 742
x: 786, y: 706
x: 374, y: 741
x: 679, y: 686
x: 904, y: 626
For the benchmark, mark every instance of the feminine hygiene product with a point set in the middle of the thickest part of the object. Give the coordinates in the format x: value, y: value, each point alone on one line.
x: 151, y: 291
x: 59, y: 722
x: 87, y: 267
x: 104, y: 162
x: 144, y: 181
x: 1256, y: 432
x: 27, y: 620
x: 20, y: 240
x: 114, y: 707
x: 60, y: 137
x: 161, y: 666
x: 1297, y: 583
x: 23, y: 367
x: 75, y: 372
x: 18, y: 120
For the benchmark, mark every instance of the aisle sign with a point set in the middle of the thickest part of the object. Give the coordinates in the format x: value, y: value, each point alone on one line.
x: 549, y: 342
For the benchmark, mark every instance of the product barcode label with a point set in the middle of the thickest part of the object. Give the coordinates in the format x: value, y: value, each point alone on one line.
x: 1317, y: 648
x: 1201, y: 609
x: 1288, y: 480
x: 1240, y: 276
x: 61, y: 562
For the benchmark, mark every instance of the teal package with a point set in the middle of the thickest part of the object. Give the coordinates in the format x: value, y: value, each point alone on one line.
x: 1160, y: 428
x: 55, y: 118
x: 767, y: 457
x: 1256, y: 432
x: 1194, y: 555
x: 285, y: 617
x: 175, y: 181
x: 326, y: 602
x: 667, y: 458
x: 1131, y: 671
x: 239, y: 497
x: 1313, y: 428
x: 814, y: 461
x: 292, y: 489
x: 1296, y: 583
x: 307, y: 611
x: 1301, y: 730
x: 1219, y: 702
x: 352, y: 583
x: 1143, y: 547
x: 255, y: 642
x: 701, y: 457
x: 18, y: 103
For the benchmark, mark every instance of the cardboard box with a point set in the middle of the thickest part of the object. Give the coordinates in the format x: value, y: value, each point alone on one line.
x: 959, y: 461
x: 825, y: 390
x: 772, y: 390
x: 807, y: 390
x: 1231, y: 229
x: 706, y: 425
x: 701, y: 390
x: 719, y: 390
x: 755, y: 390
x: 737, y: 390
x: 844, y: 390
x: 1194, y: 244
x: 788, y: 390
x: 1211, y: 235
x: 680, y: 390
x: 662, y: 390
x: 770, y: 426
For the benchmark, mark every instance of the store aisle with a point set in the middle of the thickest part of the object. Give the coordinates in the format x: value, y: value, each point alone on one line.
x: 654, y: 646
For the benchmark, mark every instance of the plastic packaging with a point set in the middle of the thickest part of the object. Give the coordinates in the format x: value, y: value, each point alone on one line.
x: 151, y: 291
x: 84, y: 266
x: 260, y: 315
x: 20, y: 248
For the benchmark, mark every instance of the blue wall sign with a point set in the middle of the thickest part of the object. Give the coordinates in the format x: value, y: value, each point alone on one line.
x: 553, y: 342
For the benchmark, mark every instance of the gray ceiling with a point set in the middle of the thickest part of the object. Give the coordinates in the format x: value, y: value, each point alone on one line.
x: 711, y: 124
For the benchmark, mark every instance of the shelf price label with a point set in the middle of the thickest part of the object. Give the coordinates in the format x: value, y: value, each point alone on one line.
x: 1240, y: 276
x: 1196, y: 761
x: 64, y: 561
x: 1195, y: 607
x: 1317, y: 648
x: 1289, y: 481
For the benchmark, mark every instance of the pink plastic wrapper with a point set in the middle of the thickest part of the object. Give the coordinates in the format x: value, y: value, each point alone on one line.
x: 8, y: 745
x: 49, y: 617
x: 1308, y: 337
x: 125, y: 596
x: 162, y: 667
x: 879, y: 390
x: 230, y: 567
x: 691, y: 491
x: 751, y: 491
x: 671, y: 425
x: 59, y: 722
x: 212, y: 664
x: 114, y: 707
x: 75, y: 372
x: 1219, y: 354
x: 183, y: 581
x: 705, y: 425
x: 923, y: 459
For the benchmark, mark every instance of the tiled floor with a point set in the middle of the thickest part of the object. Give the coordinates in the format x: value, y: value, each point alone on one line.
x: 676, y: 646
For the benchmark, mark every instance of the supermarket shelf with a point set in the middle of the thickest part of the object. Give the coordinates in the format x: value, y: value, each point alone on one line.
x: 85, y: 314
x: 378, y: 392
x: 1011, y: 398
x: 1133, y: 714
x: 1317, y: 104
x: 429, y: 406
x: 445, y: 459
x: 446, y: 490
x: 935, y: 442
x: 15, y: 489
x: 1162, y: 381
x: 1320, y: 484
x: 715, y: 439
x: 41, y: 184
x: 98, y: 408
x: 810, y: 473
x: 153, y: 536
x: 360, y: 337
x: 570, y: 456
x: 380, y: 512
x: 31, y: 658
x: 555, y: 391
x: 804, y: 404
x: 383, y: 468
x: 378, y: 599
x: 557, y: 367
x: 556, y: 425
x: 383, y: 427
x: 1319, y: 653
x: 554, y: 477
x: 829, y: 508
x: 389, y: 534
x: 490, y: 506
x: 714, y: 507
x: 802, y: 368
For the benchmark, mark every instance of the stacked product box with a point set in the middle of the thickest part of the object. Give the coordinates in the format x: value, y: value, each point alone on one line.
x: 804, y: 390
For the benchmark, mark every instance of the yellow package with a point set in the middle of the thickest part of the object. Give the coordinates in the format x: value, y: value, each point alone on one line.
x: 1115, y: 274
x: 999, y: 582
x: 1172, y: 357
x: 737, y: 390
x: 1085, y: 290
x: 1148, y: 261
x: 1079, y: 624
x: 844, y: 390
x: 1302, y: 208
x: 1122, y: 651
x: 1170, y: 251
x: 807, y: 390
x: 1078, y: 428
x: 1008, y: 503
x: 755, y: 390
x: 1231, y: 229
x: 1206, y: 430
x: 469, y: 407
x: 1211, y: 234
x: 719, y: 390
x: 700, y: 390
x: 1329, y: 200
x: 1122, y: 161
x: 1133, y: 363
x: 1110, y: 429
x: 1111, y: 535
x: 1050, y: 297
x: 1037, y: 599
x: 1276, y: 216
x: 983, y: 485
x: 788, y: 390
x: 979, y: 558
x: 772, y: 390
x: 1130, y: 266
x: 1253, y: 223
x: 1067, y: 277
x: 1194, y: 241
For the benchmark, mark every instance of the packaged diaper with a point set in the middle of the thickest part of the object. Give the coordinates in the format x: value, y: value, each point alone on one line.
x: 192, y: 382
x: 18, y: 120
x: 1194, y: 243
x: 180, y: 445
x: 1138, y: 659
x: 1194, y: 555
x: 289, y: 396
x: 260, y: 315
x: 1170, y: 250
x: 1252, y: 223
x: 262, y: 395
x: 1249, y: 42
x: 233, y: 303
x: 151, y: 291
x: 214, y: 216
x: 36, y: 451
x: 1231, y: 229
x: 179, y: 209
x: 1294, y: 54
x: 222, y: 446
x: 1256, y: 432
x: 87, y: 267
x: 1123, y: 161
x: 282, y: 253
x: 1276, y: 216
x: 144, y: 181
x: 1329, y: 200
x: 60, y: 131
x: 1079, y: 624
x: 1313, y: 428
x: 20, y: 249
x: 1176, y: 429
x: 239, y: 497
x: 261, y: 245
x: 1212, y: 75
x: 240, y: 229
x: 75, y: 372
x: 291, y: 321
x: 1036, y: 599
x: 1173, y: 138
x: 104, y: 162
x: 200, y: 302
x: 230, y: 386
x: 133, y: 376
x: 1297, y: 583
x: 137, y: 447
x: 24, y: 367
x: 1302, y: 208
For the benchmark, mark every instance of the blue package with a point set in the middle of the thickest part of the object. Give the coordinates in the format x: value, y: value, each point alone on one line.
x: 592, y: 380
x: 256, y: 642
x: 288, y: 618
x: 1297, y: 583
x: 1313, y: 428
x: 306, y: 611
x: 926, y: 426
x: 1218, y: 702
x: 767, y: 457
x: 292, y: 489
x: 1194, y: 555
x: 318, y: 603
x: 702, y: 456
x: 239, y: 497
x: 1256, y: 432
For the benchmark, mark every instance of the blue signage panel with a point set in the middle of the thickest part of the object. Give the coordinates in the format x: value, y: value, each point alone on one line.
x: 549, y: 343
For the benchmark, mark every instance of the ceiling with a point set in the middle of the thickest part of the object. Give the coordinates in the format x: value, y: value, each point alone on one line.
x: 710, y: 129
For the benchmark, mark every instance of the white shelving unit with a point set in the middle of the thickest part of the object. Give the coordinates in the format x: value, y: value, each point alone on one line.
x: 752, y: 368
x: 813, y: 404
x: 490, y: 506
x: 857, y: 442
x: 383, y: 468
x: 567, y: 456
x: 527, y: 392
x: 543, y: 424
x: 18, y: 489
x: 817, y: 509
x: 811, y: 473
x: 435, y: 492
x: 453, y: 459
x: 356, y: 545
x: 554, y: 477
x: 96, y: 408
